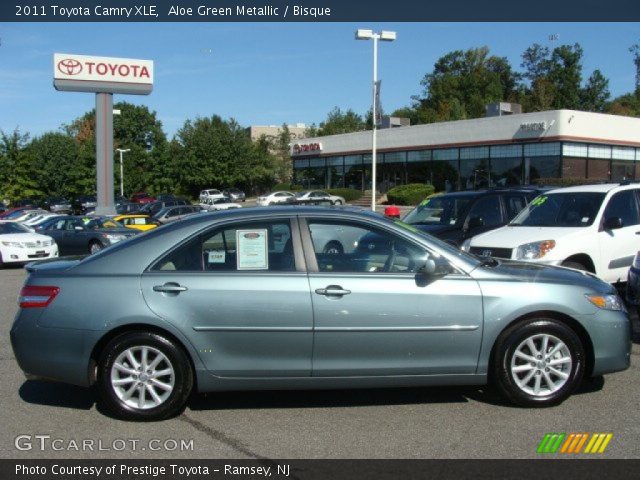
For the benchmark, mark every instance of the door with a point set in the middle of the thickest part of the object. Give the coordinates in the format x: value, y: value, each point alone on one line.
x: 618, y: 246
x: 375, y: 316
x: 242, y: 297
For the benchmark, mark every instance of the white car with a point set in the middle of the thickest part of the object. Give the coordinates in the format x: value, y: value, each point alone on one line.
x: 213, y: 204
x: 275, y: 197
x: 319, y: 195
x: 590, y: 227
x: 29, y: 214
x: 18, y: 244
x: 210, y: 193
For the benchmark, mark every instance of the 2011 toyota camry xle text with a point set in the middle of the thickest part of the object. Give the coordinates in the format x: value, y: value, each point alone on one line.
x: 310, y: 297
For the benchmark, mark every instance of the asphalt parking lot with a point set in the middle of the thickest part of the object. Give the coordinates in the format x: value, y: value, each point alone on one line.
x: 47, y: 420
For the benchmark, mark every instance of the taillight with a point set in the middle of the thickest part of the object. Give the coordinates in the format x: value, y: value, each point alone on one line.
x: 37, y: 296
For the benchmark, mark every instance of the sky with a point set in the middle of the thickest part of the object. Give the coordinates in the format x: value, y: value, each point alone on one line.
x: 272, y: 73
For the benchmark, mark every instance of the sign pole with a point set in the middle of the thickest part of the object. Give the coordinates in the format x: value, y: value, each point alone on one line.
x: 104, y: 154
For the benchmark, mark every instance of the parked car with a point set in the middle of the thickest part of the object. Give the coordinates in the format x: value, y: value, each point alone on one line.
x: 235, y: 194
x: 210, y: 193
x: 193, y: 295
x: 142, y: 197
x: 456, y: 216
x: 319, y: 195
x: 26, y: 202
x: 34, y: 222
x: 57, y: 204
x: 137, y: 221
x: 77, y: 235
x: 18, y: 244
x: 633, y: 284
x: 154, y: 207
x: 213, y: 204
x: 3, y: 207
x: 84, y: 203
x: 165, y: 197
x: 275, y: 198
x: 589, y: 227
x: 14, y: 212
x: 26, y: 215
x: 178, y: 212
x: 127, y: 207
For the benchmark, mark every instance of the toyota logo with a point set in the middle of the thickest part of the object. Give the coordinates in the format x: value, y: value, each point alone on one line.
x: 486, y: 253
x: 69, y: 66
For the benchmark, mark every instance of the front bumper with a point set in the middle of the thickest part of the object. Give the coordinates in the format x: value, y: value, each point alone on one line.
x: 22, y: 255
x: 610, y: 333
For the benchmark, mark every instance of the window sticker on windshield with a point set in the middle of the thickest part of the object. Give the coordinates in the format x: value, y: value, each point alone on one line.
x: 217, y: 256
x: 252, y: 250
x: 425, y: 202
x: 585, y: 220
x: 538, y: 201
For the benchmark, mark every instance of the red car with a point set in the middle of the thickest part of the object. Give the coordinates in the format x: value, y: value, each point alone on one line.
x: 142, y: 197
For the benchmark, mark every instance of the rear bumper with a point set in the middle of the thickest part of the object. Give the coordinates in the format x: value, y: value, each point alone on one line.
x: 58, y: 354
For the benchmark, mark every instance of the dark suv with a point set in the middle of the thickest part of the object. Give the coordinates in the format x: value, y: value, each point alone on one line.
x: 456, y: 216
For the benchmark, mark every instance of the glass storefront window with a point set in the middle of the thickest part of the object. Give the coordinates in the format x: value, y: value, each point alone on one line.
x: 506, y: 151
x: 506, y: 171
x: 621, y: 171
x: 542, y: 149
x: 599, y: 151
x: 575, y: 150
x: 474, y: 174
x: 470, y: 153
x: 623, y: 153
x: 541, y: 167
x: 395, y: 157
x: 446, y: 154
x: 418, y: 156
x: 353, y: 160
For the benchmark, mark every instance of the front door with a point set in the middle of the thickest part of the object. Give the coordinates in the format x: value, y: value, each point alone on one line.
x: 242, y: 296
x: 374, y: 315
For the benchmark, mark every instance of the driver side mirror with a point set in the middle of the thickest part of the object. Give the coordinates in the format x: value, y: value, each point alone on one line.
x: 613, y: 223
x: 430, y: 271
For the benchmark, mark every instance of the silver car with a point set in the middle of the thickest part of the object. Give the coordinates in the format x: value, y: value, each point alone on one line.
x: 249, y: 299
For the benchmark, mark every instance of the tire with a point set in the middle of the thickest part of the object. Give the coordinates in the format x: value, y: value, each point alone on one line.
x: 338, y: 202
x: 95, y: 246
x: 333, y: 248
x: 576, y: 265
x: 552, y: 388
x: 177, y: 380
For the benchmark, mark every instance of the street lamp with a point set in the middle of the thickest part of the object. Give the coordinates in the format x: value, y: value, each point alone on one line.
x: 121, y: 151
x: 385, y: 36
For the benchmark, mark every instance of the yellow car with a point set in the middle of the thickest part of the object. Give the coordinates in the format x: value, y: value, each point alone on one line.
x: 137, y: 222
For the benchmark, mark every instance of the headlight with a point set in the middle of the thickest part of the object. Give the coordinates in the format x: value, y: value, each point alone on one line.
x: 466, y: 245
x: 636, y: 261
x: 607, y: 302
x: 12, y: 244
x: 114, y: 237
x: 531, y: 251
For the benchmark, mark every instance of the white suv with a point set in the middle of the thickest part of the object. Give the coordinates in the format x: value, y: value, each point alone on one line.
x: 590, y: 227
x: 210, y: 193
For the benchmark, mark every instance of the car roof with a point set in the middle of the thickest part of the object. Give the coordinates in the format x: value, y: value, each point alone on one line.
x: 600, y: 187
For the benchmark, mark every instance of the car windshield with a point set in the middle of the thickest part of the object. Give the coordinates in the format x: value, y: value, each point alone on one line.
x: 443, y: 210
x: 571, y: 209
x: 11, y: 227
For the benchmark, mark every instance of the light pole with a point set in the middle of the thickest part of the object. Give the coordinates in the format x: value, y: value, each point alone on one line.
x: 121, y: 151
x: 385, y: 36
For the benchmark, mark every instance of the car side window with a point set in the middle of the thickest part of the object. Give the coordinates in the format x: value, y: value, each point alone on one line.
x: 488, y: 209
x: 262, y: 246
x: 358, y: 248
x: 623, y: 206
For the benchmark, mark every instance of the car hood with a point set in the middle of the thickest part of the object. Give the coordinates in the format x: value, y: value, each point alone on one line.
x: 508, y: 270
x: 24, y: 237
x: 512, y: 237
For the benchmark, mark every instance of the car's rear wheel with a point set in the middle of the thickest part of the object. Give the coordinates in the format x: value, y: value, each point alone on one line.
x: 538, y: 362
x: 575, y: 265
x: 144, y: 376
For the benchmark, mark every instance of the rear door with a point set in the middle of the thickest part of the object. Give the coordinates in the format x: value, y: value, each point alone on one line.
x: 242, y: 292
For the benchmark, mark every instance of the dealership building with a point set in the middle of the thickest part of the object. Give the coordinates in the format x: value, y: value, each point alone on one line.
x: 501, y: 150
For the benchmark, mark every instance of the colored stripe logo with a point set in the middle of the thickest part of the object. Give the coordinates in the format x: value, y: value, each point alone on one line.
x: 574, y: 443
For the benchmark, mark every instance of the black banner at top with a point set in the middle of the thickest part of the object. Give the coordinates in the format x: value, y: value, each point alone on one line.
x: 319, y: 11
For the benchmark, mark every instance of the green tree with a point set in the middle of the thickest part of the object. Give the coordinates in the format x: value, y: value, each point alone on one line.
x: 55, y: 157
x: 595, y: 94
x: 338, y: 122
x: 565, y: 72
x: 635, y: 51
x: 17, y: 167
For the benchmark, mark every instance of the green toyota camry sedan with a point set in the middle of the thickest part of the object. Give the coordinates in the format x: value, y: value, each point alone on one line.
x: 310, y: 297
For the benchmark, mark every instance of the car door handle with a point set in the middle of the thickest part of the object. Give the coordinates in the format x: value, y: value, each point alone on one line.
x: 333, y: 290
x: 169, y: 288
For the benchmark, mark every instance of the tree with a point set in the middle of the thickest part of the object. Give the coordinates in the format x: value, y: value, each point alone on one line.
x: 535, y: 61
x: 595, y: 94
x: 212, y: 152
x: 338, y: 122
x: 628, y: 105
x: 565, y: 73
x: 16, y: 167
x: 462, y: 83
x: 635, y: 50
x: 55, y: 159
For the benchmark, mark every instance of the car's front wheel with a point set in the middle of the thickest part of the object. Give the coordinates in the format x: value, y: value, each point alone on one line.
x: 538, y: 362
x: 95, y: 246
x: 144, y: 376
